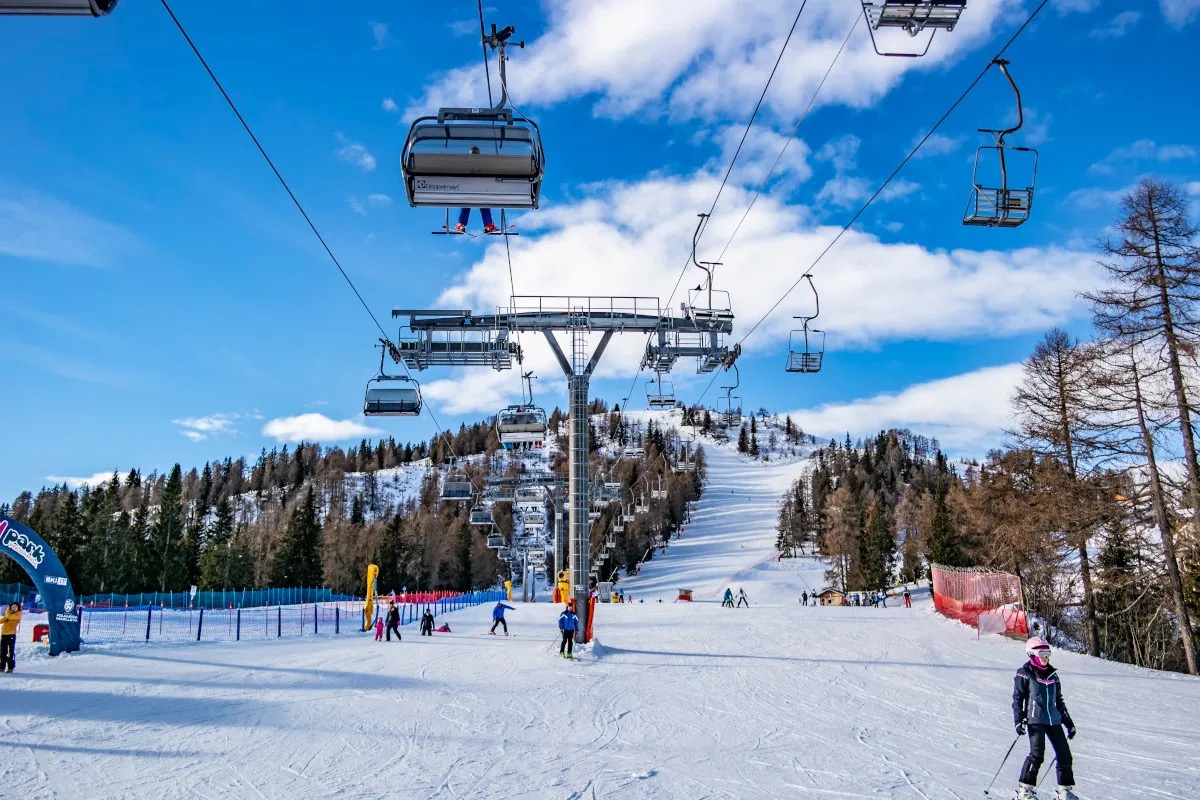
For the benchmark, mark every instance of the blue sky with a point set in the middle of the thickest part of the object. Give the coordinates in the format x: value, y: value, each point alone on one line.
x: 165, y: 302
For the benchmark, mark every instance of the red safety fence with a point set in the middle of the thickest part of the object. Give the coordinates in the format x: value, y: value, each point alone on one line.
x: 989, y: 601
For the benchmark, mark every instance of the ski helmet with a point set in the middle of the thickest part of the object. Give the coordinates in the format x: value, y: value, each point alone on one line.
x: 1037, y: 646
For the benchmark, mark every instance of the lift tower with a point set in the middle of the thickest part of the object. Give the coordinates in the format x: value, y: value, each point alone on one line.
x: 449, y: 338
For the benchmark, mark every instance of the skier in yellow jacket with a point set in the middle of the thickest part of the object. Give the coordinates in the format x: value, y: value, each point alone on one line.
x: 8, y: 637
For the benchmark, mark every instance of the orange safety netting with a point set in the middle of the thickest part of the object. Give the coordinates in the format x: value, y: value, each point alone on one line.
x: 966, y: 595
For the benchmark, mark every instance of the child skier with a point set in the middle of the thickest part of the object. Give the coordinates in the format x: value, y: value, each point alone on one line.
x: 907, y: 598
x: 427, y: 622
x: 379, y: 629
x: 1038, y: 707
x: 498, y: 618
x: 568, y: 623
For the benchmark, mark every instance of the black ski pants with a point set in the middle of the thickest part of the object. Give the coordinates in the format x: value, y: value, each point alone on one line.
x: 1037, y: 753
x: 499, y: 621
x: 568, y: 642
x: 743, y: 600
x: 8, y: 651
x: 427, y: 629
x: 395, y: 626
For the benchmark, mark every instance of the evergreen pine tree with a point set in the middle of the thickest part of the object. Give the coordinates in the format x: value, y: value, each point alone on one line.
x: 168, y: 547
x: 943, y: 543
x: 216, y: 558
x: 743, y: 441
x: 298, y: 561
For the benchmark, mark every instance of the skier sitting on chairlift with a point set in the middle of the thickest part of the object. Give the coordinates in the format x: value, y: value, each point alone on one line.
x: 465, y: 214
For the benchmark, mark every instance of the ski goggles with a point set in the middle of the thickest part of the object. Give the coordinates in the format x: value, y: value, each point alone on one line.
x: 1042, y: 653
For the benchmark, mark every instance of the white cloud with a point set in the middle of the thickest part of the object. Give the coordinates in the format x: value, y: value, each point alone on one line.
x: 935, y: 145
x: 354, y: 153
x: 316, y: 428
x: 1093, y: 198
x: 200, y: 428
x: 99, y: 479
x: 1142, y: 150
x: 464, y: 27
x: 43, y: 228
x: 1116, y: 27
x: 637, y: 235
x: 762, y: 146
x: 389, y: 105
x: 968, y: 413
x: 379, y: 32
x: 1179, y: 12
x: 375, y: 201
x: 710, y: 62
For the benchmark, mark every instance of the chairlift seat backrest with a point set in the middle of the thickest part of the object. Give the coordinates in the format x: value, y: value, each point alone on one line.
x: 392, y: 401
x: 914, y: 15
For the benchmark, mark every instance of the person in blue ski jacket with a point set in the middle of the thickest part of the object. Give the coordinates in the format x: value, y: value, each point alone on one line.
x: 727, y: 600
x: 1038, y: 707
x: 498, y: 617
x: 568, y: 623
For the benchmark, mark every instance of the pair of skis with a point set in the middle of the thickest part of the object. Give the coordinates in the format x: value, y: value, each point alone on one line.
x: 448, y: 231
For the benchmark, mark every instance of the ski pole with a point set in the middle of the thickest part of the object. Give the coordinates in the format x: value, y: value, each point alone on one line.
x: 1002, y: 763
x: 1049, y: 769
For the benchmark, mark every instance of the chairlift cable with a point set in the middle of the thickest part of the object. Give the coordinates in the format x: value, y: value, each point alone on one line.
x: 271, y: 164
x: 295, y: 201
x: 512, y: 285
x: 811, y: 101
x: 728, y: 172
x: 887, y: 181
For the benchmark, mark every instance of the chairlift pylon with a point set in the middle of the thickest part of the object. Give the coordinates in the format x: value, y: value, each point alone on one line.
x: 392, y: 395
x: 805, y: 354
x: 913, y: 17
x: 1002, y: 206
x: 475, y: 157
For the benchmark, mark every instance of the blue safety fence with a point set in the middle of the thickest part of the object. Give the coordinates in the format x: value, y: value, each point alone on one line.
x: 218, y: 598
x: 157, y: 623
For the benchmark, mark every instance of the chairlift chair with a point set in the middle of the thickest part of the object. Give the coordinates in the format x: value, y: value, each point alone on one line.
x: 1001, y: 206
x: 57, y: 8
x: 457, y: 488
x: 705, y: 303
x: 731, y: 411
x: 495, y: 541
x: 390, y: 395
x: 659, y: 393
x: 521, y: 424
x: 658, y: 491
x: 913, y: 17
x: 642, y: 506
x: 475, y: 157
x: 481, y: 515
x: 806, y: 353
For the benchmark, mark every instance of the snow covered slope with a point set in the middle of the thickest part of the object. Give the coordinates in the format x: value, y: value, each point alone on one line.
x: 675, y: 700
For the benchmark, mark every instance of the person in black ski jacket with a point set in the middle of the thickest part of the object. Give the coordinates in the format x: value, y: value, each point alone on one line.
x: 427, y: 622
x: 393, y: 621
x: 1038, y: 707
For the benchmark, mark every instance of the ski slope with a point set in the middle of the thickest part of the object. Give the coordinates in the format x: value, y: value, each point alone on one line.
x: 674, y: 700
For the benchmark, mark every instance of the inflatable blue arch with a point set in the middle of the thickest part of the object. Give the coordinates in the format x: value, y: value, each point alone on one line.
x: 29, y: 550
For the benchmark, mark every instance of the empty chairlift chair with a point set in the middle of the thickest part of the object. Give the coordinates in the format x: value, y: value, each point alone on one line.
x: 660, y: 394
x: 806, y: 347
x: 481, y: 515
x: 1001, y: 206
x: 457, y: 488
x: 391, y: 395
x: 913, y: 17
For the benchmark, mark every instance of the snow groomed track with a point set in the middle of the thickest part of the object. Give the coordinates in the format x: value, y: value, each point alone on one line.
x: 674, y: 700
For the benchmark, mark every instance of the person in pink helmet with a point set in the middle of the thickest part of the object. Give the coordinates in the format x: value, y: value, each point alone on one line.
x: 1039, y: 709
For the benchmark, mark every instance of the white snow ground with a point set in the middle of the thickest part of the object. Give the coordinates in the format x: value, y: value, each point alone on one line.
x: 675, y: 700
